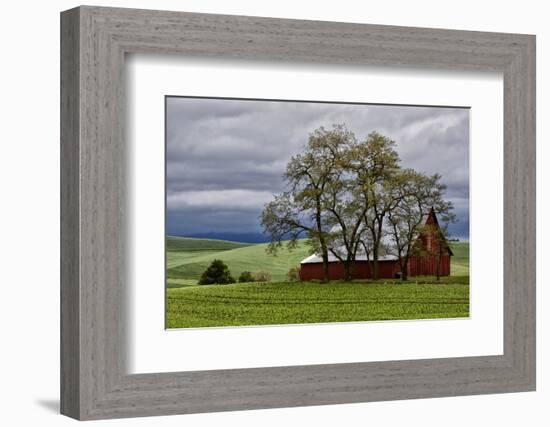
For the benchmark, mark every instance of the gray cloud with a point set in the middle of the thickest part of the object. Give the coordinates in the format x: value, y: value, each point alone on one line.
x: 225, y: 158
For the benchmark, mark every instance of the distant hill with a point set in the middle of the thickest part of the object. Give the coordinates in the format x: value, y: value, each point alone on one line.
x: 188, y: 257
x: 460, y: 262
x: 233, y: 237
x: 189, y: 263
x: 187, y: 244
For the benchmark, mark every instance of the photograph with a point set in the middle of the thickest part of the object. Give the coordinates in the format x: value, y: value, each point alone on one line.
x: 289, y: 212
x: 298, y: 214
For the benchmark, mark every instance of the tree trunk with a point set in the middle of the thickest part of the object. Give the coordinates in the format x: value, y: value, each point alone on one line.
x: 375, y: 248
x: 324, y: 255
x: 347, y: 271
x: 324, y: 249
x: 375, y: 269
x: 404, y: 274
x: 352, y: 266
x: 326, y: 277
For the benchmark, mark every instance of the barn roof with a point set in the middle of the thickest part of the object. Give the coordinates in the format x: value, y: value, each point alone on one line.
x: 385, y: 241
x: 431, y: 218
x: 313, y: 259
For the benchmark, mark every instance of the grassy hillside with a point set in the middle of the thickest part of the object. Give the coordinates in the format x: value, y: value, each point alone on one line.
x: 187, y: 258
x: 189, y: 264
x: 460, y: 262
x: 299, y: 302
x: 186, y: 250
x: 178, y: 244
x: 312, y: 302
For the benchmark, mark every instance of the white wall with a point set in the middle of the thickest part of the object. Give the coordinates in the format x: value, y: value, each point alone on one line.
x: 29, y: 236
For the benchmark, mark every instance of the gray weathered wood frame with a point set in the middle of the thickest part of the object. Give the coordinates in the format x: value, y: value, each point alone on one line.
x: 94, y: 382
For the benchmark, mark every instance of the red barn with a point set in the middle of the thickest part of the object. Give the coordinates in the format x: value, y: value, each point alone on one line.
x: 430, y: 246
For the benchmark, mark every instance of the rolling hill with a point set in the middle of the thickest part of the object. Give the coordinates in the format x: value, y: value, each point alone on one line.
x: 460, y: 262
x: 190, y: 244
x: 280, y: 302
x: 187, y: 258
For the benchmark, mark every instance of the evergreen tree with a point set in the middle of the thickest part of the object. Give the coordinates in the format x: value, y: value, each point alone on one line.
x: 216, y: 273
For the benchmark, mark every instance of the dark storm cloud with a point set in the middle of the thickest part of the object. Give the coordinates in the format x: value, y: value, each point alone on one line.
x: 225, y: 158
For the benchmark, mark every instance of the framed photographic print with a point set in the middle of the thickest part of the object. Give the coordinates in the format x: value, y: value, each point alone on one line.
x: 262, y: 213
x: 255, y: 202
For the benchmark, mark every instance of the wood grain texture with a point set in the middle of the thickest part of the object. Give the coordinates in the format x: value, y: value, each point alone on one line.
x: 70, y: 291
x: 94, y: 382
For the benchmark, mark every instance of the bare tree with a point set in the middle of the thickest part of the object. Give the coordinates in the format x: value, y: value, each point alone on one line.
x: 347, y: 233
x: 418, y: 194
x: 346, y: 195
x: 308, y: 175
x: 375, y: 164
x: 345, y: 214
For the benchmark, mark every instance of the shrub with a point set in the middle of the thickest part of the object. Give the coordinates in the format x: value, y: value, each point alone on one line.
x: 261, y: 276
x: 216, y: 273
x: 246, y: 276
x: 293, y: 274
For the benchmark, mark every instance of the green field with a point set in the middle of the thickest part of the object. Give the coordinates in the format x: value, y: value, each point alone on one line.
x: 277, y: 302
x: 187, y: 259
x: 460, y: 261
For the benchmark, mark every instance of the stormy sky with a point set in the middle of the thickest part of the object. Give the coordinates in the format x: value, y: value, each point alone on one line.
x: 225, y: 158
